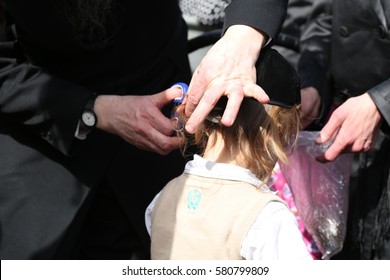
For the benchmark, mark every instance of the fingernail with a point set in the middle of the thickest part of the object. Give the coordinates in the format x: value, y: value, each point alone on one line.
x: 321, y: 159
x: 318, y: 139
x: 190, y: 129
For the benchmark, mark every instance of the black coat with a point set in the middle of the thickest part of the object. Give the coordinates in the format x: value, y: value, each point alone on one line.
x: 347, y: 43
x: 345, y: 53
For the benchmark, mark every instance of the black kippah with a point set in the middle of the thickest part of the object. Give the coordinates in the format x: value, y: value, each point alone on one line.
x: 278, y: 78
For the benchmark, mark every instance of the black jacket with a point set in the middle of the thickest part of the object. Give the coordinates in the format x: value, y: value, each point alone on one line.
x: 346, y: 48
x: 345, y: 53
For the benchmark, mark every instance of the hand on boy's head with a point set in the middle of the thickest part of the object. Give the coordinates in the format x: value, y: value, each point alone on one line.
x: 228, y: 69
x: 198, y: 109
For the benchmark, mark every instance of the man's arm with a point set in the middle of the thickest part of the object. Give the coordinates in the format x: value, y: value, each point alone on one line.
x: 228, y: 69
x: 47, y: 105
x: 265, y: 15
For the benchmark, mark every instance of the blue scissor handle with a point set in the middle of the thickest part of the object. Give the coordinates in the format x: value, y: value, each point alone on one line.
x: 184, y: 88
x: 177, y: 101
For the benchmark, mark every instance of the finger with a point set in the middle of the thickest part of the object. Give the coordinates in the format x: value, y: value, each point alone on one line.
x: 361, y: 145
x: 166, y: 126
x: 168, y: 144
x: 191, y: 102
x: 163, y: 144
x: 167, y: 96
x: 177, y: 125
x: 255, y: 91
x: 335, y: 149
x: 235, y: 97
x: 195, y: 92
x: 367, y: 145
x: 329, y: 130
x: 204, y: 107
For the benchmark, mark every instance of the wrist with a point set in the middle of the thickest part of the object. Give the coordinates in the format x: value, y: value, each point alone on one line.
x: 254, y: 39
x: 88, y: 117
x: 104, y: 110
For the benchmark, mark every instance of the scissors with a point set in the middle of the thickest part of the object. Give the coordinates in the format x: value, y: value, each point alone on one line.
x: 184, y: 89
x: 178, y: 101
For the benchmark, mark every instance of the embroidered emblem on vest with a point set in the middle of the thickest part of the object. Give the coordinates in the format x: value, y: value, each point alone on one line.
x: 193, y: 199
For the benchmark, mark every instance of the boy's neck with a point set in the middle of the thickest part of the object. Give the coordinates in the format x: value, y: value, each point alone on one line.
x: 222, y: 154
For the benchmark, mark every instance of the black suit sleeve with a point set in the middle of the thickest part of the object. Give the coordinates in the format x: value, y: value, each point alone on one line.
x: 380, y: 94
x: 265, y: 15
x: 48, y: 106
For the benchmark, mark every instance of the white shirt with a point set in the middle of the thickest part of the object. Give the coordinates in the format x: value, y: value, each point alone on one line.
x: 273, y: 236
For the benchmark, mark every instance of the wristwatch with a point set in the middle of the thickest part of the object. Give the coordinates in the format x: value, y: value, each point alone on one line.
x: 89, y: 118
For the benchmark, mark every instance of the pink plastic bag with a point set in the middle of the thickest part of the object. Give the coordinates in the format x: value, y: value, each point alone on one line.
x: 320, y: 192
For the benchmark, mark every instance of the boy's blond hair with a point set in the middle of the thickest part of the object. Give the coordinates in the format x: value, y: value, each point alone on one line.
x: 260, y: 132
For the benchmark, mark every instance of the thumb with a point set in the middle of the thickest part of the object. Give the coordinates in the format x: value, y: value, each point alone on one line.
x: 330, y: 130
x: 168, y: 95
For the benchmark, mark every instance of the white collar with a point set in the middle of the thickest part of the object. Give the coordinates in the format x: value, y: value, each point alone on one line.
x: 205, y: 168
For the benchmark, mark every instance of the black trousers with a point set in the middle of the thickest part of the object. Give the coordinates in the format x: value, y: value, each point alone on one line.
x: 368, y: 226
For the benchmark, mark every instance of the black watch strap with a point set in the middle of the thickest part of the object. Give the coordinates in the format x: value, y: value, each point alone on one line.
x: 88, y: 117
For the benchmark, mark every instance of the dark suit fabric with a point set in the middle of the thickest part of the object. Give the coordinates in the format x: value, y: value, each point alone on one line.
x: 347, y: 44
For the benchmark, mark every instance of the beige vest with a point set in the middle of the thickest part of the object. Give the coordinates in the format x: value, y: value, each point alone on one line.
x: 204, y: 218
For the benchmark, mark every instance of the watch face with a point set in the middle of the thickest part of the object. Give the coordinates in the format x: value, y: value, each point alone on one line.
x: 88, y: 118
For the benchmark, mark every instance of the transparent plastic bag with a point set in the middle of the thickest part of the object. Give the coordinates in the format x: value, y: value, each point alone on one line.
x: 320, y: 192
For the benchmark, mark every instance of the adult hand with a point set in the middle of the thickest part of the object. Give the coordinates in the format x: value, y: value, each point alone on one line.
x: 353, y: 126
x: 310, y: 104
x: 139, y: 120
x: 227, y: 69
